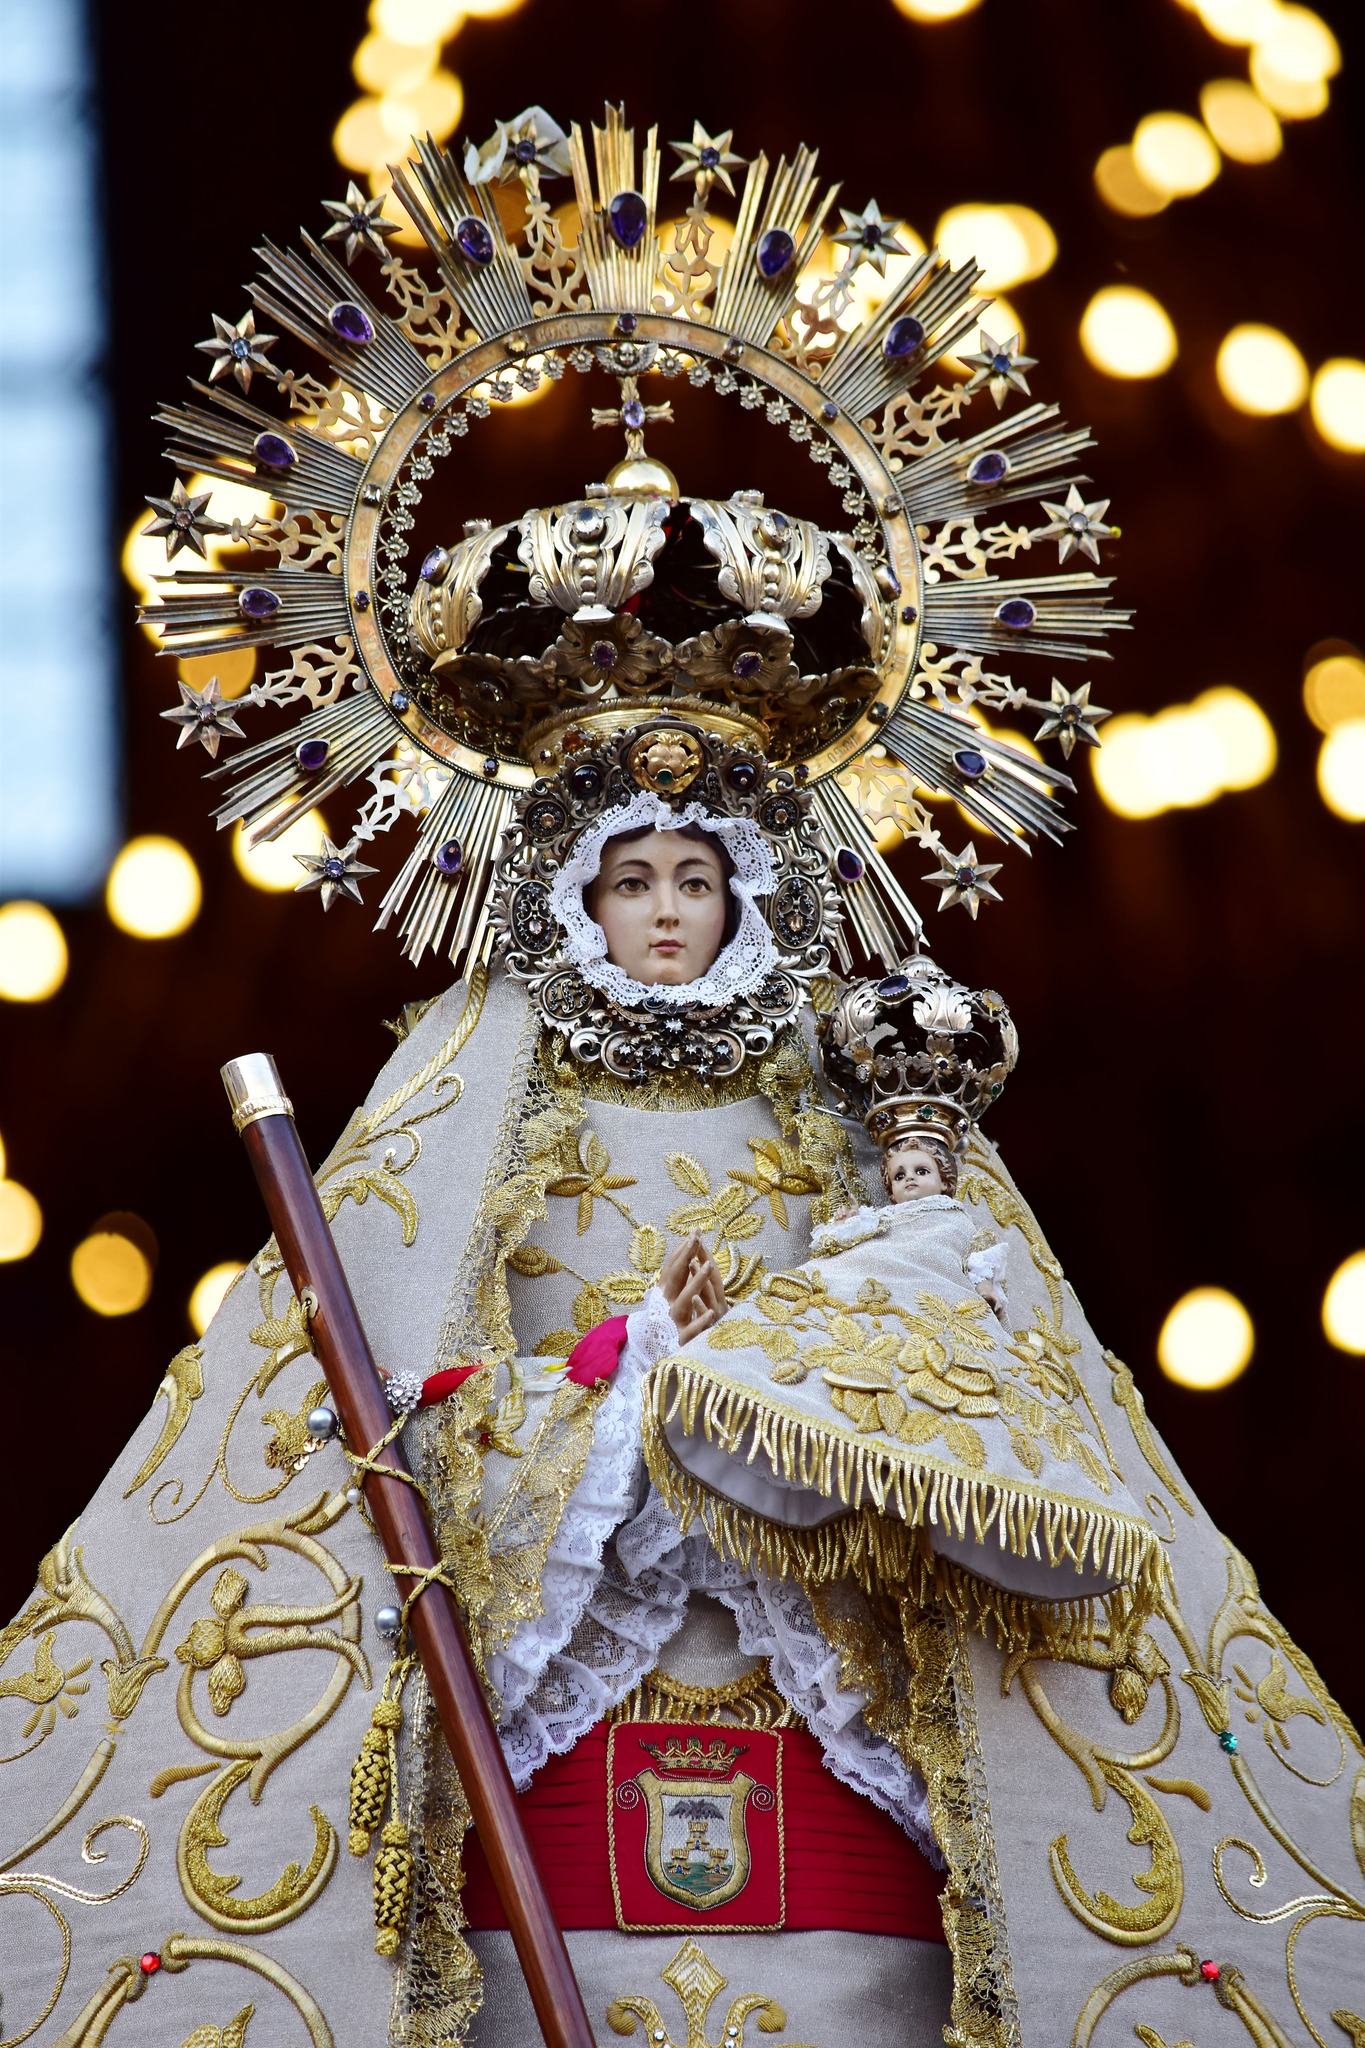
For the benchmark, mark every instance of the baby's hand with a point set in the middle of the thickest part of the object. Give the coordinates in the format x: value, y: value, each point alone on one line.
x: 842, y: 1215
x: 989, y: 1292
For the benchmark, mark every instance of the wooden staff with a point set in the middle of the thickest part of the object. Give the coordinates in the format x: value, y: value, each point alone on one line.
x: 263, y: 1114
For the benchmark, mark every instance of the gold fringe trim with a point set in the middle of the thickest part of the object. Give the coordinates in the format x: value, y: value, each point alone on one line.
x: 879, y: 1549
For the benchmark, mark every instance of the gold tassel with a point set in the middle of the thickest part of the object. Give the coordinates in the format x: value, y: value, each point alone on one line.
x: 370, y: 1775
x: 392, y: 1887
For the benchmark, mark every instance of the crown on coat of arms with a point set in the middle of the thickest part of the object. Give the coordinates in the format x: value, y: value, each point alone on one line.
x: 718, y: 1756
x: 916, y: 1054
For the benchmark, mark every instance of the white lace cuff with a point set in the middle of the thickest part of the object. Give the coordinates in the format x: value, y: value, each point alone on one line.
x: 651, y: 1333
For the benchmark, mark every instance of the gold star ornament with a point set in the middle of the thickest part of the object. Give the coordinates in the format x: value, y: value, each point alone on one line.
x: 962, y: 878
x: 1072, y: 717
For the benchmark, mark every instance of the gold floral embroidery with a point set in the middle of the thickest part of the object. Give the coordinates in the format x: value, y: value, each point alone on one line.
x: 36, y: 1884
x: 182, y: 1385
x: 49, y: 1686
x: 233, y: 2035
x: 125, y: 1982
x: 697, y: 1984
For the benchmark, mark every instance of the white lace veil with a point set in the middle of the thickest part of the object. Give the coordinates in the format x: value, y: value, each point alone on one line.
x: 738, y: 968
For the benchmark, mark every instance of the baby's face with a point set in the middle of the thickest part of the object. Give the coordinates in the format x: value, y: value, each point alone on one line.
x: 913, y: 1173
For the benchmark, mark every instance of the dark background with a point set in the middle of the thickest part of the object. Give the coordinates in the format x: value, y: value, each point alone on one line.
x: 1190, y: 1106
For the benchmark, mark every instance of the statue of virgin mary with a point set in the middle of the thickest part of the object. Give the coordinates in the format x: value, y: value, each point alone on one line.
x: 867, y: 1669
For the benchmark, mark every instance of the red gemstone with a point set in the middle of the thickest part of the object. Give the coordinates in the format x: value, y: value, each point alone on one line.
x: 150, y: 1963
x: 1210, y: 1972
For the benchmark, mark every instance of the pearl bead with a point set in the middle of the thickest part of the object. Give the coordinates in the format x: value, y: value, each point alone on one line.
x: 322, y: 1424
x: 353, y: 1495
x: 388, y: 1621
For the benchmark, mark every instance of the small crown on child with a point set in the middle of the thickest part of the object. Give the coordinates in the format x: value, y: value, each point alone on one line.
x: 917, y: 1055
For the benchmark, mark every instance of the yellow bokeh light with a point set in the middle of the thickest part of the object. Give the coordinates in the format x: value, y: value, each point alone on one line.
x: 1174, y: 153
x: 153, y: 890
x: 1260, y: 371
x: 1127, y: 333
x: 360, y: 140
x: 208, y: 1293
x: 432, y: 108
x: 418, y: 21
x: 1011, y: 243
x: 234, y: 670
x: 934, y: 10
x: 1343, y: 1305
x: 1298, y: 45
x: 271, y: 863
x: 1293, y: 99
x: 1334, y: 690
x: 1207, y: 1340
x: 2, y: 1159
x: 1238, y: 21
x: 33, y: 956
x: 1186, y: 755
x: 383, y: 65
x: 21, y: 1221
x: 1244, y: 735
x: 1341, y: 770
x: 1338, y: 403
x: 1122, y: 186
x: 1240, y: 122
x: 111, y: 1274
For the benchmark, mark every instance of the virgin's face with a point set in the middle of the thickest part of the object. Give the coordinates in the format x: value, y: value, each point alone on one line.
x: 913, y: 1173
x: 661, y: 901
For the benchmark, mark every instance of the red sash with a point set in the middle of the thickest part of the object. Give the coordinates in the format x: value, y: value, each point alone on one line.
x: 668, y: 1825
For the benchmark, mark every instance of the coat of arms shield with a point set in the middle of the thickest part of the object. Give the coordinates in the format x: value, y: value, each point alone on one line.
x: 696, y: 1835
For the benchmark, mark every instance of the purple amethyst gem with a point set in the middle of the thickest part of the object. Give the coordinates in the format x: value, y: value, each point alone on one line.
x: 310, y: 755
x: 334, y: 869
x: 256, y: 602
x: 776, y: 252
x: 603, y: 654
x: 400, y: 701
x: 903, y: 338
x: 434, y: 565
x: 272, y: 451
x: 849, y: 866
x: 633, y: 413
x: 992, y: 466
x: 351, y: 322
x: 629, y: 217
x: 709, y: 157
x: 449, y: 857
x: 747, y: 665
x: 473, y: 240
x: 969, y: 762
x: 524, y: 152
x: 1018, y: 613
x: 894, y: 985
x: 626, y: 323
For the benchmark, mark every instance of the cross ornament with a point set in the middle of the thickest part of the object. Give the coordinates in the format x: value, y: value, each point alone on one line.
x: 632, y: 414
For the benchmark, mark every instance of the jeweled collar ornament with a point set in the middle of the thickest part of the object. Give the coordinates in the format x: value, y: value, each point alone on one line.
x: 915, y: 1054
x: 788, y: 920
x: 447, y: 670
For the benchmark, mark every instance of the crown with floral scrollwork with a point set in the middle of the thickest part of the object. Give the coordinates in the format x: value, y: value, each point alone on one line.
x: 863, y: 650
x: 915, y: 1054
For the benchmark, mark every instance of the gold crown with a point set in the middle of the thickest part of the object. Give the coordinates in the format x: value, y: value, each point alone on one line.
x: 450, y: 690
x: 719, y: 1757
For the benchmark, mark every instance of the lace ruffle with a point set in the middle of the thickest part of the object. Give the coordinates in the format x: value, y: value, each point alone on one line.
x: 738, y: 969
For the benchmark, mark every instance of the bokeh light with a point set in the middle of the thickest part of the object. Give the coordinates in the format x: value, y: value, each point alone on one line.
x: 33, y: 956
x: 1240, y: 122
x: 1260, y: 371
x: 1338, y: 403
x: 1174, y: 153
x: 234, y: 670
x: 1334, y: 689
x: 21, y: 1221
x: 153, y: 890
x: 208, y: 1293
x: 1127, y: 333
x: 1184, y: 756
x: 111, y: 1273
x: 934, y: 10
x: 1237, y: 21
x: 1207, y: 1340
x: 382, y: 64
x: 418, y: 21
x: 1341, y: 770
x: 1122, y: 186
x: 1011, y: 243
x: 271, y: 864
x: 1343, y: 1305
x: 1293, y: 99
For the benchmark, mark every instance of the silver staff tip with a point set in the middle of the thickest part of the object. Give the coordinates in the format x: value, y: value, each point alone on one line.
x: 254, y: 1089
